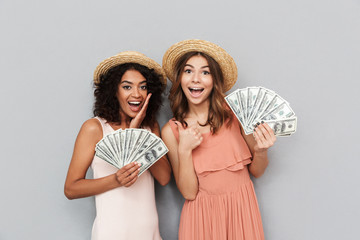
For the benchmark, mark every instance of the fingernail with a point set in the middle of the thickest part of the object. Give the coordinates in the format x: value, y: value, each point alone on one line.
x: 258, y: 123
x: 262, y: 121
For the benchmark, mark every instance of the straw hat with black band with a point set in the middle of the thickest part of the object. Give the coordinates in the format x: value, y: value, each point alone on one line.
x: 128, y: 57
x: 226, y: 62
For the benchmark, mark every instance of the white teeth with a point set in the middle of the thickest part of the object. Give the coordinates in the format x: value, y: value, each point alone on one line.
x: 196, y: 89
x: 135, y: 103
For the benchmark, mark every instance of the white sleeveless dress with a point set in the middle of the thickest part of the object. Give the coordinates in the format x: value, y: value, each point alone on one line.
x: 124, y: 213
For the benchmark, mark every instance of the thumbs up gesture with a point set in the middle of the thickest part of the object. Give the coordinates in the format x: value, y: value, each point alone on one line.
x: 190, y: 137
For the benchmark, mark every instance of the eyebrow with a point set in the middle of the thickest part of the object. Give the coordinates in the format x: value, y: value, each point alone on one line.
x: 189, y: 65
x: 128, y: 82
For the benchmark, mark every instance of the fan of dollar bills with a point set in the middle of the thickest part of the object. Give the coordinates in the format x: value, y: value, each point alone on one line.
x: 256, y: 104
x: 125, y: 146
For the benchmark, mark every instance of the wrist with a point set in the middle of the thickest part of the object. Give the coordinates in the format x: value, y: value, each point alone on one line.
x: 116, y: 182
x: 182, y: 150
x: 260, y: 153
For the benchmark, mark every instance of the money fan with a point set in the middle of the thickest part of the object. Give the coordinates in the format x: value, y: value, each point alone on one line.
x: 125, y: 146
x: 252, y: 105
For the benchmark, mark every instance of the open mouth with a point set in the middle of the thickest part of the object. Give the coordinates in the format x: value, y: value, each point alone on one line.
x: 195, y: 92
x: 135, y: 106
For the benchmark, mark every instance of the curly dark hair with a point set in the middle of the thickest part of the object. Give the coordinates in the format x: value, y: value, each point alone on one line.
x: 106, y: 103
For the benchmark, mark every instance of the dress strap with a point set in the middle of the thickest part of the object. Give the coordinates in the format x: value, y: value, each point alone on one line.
x: 106, y: 128
x: 174, y: 128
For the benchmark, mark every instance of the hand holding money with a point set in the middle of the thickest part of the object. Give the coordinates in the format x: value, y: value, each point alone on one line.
x: 252, y: 105
x: 264, y: 137
x: 127, y: 175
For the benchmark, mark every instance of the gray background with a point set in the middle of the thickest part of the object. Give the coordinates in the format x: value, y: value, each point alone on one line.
x: 308, y: 51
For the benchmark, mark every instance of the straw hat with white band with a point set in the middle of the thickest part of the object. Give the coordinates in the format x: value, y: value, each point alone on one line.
x: 128, y: 57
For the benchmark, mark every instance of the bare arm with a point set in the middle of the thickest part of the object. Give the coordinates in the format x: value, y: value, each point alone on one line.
x: 161, y: 170
x: 262, y: 139
x: 180, y: 155
x: 76, y: 186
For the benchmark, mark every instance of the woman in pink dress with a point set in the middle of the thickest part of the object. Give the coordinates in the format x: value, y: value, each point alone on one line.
x: 128, y: 89
x: 210, y: 155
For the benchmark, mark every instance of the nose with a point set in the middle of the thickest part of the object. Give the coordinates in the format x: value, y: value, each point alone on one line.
x: 196, y: 78
x: 136, y: 92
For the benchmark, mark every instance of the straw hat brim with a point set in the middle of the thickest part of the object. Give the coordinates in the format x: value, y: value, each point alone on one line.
x: 226, y: 62
x: 128, y: 57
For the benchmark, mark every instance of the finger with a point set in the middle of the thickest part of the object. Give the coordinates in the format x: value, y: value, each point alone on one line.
x: 198, y: 133
x: 196, y: 129
x: 260, y: 136
x: 133, y: 169
x: 127, y: 169
x: 257, y: 138
x: 200, y: 139
x: 267, y: 127
x: 269, y: 135
x: 137, y: 120
x: 131, y: 182
x: 128, y: 175
x: 132, y: 177
x: 264, y: 132
x: 264, y: 137
x: 124, y: 168
x: 270, y: 131
x: 179, y: 125
x: 142, y: 112
x: 147, y: 100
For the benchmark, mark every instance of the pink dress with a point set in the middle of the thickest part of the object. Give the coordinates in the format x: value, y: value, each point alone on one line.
x: 225, y: 206
x: 124, y: 213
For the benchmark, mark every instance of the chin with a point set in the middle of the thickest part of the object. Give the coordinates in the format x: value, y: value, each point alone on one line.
x: 130, y: 114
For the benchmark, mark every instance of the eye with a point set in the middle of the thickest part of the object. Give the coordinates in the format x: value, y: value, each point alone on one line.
x: 126, y: 87
x: 143, y: 87
x: 206, y: 72
x: 187, y: 71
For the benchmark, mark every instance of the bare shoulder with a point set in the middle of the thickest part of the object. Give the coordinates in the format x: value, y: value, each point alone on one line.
x: 166, y: 130
x: 92, y: 128
x: 168, y: 135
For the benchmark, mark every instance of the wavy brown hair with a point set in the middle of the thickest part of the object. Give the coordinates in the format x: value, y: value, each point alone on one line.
x: 218, y: 113
x: 106, y: 103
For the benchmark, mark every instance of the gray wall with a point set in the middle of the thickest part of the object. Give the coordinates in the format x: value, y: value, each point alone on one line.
x: 308, y: 51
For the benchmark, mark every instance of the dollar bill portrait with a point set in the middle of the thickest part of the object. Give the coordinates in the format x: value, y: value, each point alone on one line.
x: 150, y: 156
x: 279, y: 127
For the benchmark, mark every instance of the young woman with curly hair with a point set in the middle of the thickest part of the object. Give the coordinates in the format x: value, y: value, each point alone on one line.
x: 128, y: 89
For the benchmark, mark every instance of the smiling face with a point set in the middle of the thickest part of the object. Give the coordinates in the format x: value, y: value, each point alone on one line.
x: 132, y: 92
x: 196, y: 80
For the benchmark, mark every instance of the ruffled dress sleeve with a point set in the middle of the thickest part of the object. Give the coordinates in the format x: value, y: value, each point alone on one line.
x: 226, y: 149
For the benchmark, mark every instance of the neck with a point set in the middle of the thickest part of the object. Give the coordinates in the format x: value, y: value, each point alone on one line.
x: 125, y: 120
x: 199, y: 112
